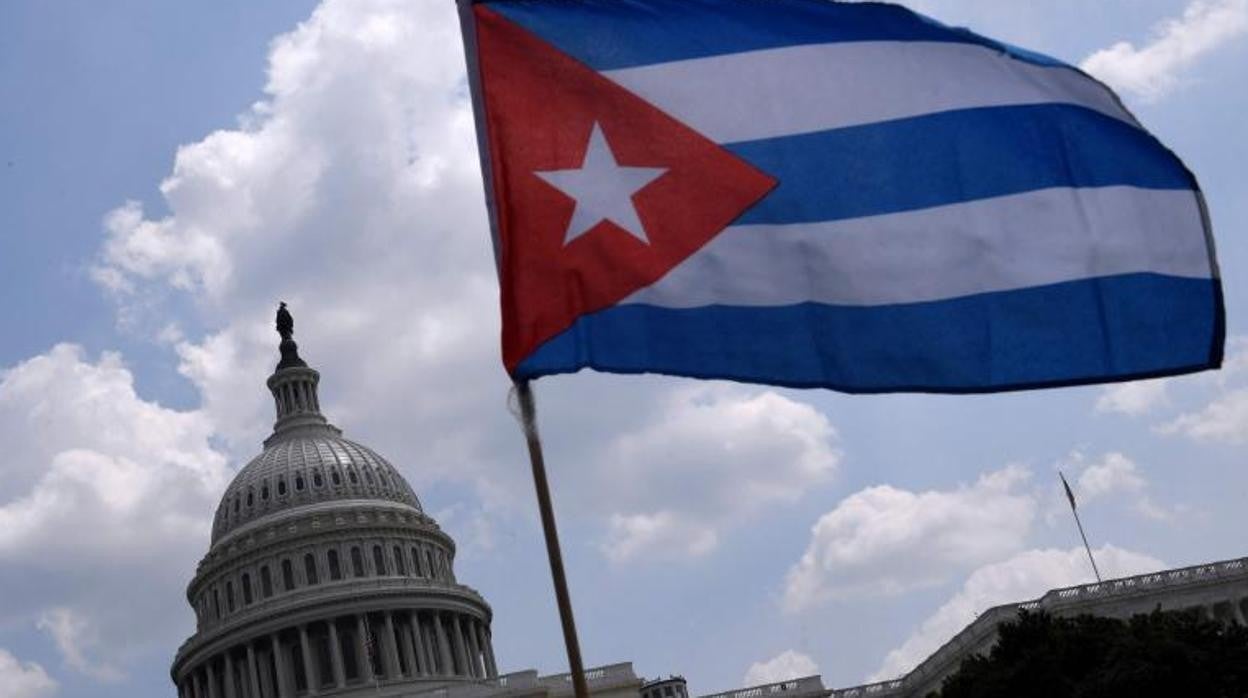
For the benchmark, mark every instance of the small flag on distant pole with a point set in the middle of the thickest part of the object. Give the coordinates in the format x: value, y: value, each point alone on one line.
x: 1069, y: 495
x: 1074, y: 509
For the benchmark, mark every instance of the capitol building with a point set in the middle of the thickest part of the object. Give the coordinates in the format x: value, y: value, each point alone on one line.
x: 325, y: 577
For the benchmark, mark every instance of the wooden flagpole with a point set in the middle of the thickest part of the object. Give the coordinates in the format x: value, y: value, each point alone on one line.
x: 528, y: 420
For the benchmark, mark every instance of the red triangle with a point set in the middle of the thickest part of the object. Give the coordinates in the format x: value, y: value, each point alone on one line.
x: 541, y: 106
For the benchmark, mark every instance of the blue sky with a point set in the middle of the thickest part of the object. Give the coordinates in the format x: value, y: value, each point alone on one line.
x: 167, y: 173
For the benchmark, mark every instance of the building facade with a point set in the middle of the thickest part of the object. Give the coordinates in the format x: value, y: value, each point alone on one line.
x: 325, y: 577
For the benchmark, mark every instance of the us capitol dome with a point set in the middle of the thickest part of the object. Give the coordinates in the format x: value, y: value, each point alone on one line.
x: 324, y: 575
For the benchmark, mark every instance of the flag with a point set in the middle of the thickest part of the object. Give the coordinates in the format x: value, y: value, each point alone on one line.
x: 812, y: 193
x: 1069, y: 495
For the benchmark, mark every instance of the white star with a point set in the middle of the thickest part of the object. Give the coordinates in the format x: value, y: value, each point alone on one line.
x: 603, y: 189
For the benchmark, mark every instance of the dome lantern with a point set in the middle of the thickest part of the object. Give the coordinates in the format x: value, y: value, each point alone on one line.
x: 294, y: 388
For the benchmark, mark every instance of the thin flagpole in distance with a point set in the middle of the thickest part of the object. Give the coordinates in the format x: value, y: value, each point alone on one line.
x: 1070, y: 496
x: 528, y: 420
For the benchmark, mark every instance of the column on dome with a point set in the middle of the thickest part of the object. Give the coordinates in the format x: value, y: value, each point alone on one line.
x: 365, y: 664
x: 461, y: 652
x: 197, y: 680
x: 474, y: 647
x: 389, y: 650
x: 418, y: 647
x: 425, y: 645
x: 311, y: 677
x: 264, y: 674
x: 489, y: 651
x: 335, y: 655
x: 279, y: 667
x: 406, y: 644
x: 229, y: 675
x: 444, y: 648
x: 211, y: 672
x: 253, y: 685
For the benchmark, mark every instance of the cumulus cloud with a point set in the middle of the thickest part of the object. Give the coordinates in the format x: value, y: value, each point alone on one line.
x: 104, y: 498
x: 1113, y: 474
x: 73, y: 636
x: 782, y: 667
x: 1134, y: 398
x: 1022, y: 577
x: 886, y: 540
x: 742, y: 451
x: 1224, y: 419
x: 20, y: 679
x: 352, y: 191
x: 1153, y: 70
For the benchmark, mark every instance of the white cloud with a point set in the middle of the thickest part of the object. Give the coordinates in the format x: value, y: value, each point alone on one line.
x: 1153, y: 70
x: 20, y: 679
x: 709, y: 457
x: 1134, y: 398
x: 1114, y: 474
x: 1023, y: 577
x: 74, y: 635
x: 663, y: 533
x: 782, y: 667
x: 885, y: 540
x: 1224, y: 420
x: 107, y: 500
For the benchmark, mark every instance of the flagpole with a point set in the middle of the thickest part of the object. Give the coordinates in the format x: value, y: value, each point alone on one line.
x: 1075, y: 510
x: 528, y: 420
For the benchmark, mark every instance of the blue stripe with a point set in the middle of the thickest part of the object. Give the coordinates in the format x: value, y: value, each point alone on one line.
x: 950, y: 157
x: 1092, y: 330
x: 611, y: 34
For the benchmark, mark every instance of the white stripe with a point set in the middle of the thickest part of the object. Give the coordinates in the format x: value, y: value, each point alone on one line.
x: 1010, y: 242
x: 800, y: 89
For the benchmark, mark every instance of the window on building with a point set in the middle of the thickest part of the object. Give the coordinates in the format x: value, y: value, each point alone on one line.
x: 246, y: 589
x: 229, y: 596
x: 298, y: 482
x: 416, y: 562
x: 317, y: 481
x: 433, y: 571
x: 400, y: 566
x: 357, y: 562
x: 379, y: 560
x: 288, y: 576
x: 309, y: 569
x: 335, y: 571
x: 251, y: 497
x: 236, y: 498
x: 216, y: 603
x: 667, y: 691
x: 281, y: 487
x: 336, y: 477
x: 351, y: 475
x: 368, y: 475
x: 266, y: 582
x: 264, y: 491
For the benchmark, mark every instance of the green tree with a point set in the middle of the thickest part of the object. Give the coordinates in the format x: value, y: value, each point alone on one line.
x: 1173, y: 654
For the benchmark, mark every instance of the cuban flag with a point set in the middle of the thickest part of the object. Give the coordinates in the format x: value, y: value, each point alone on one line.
x: 814, y: 193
